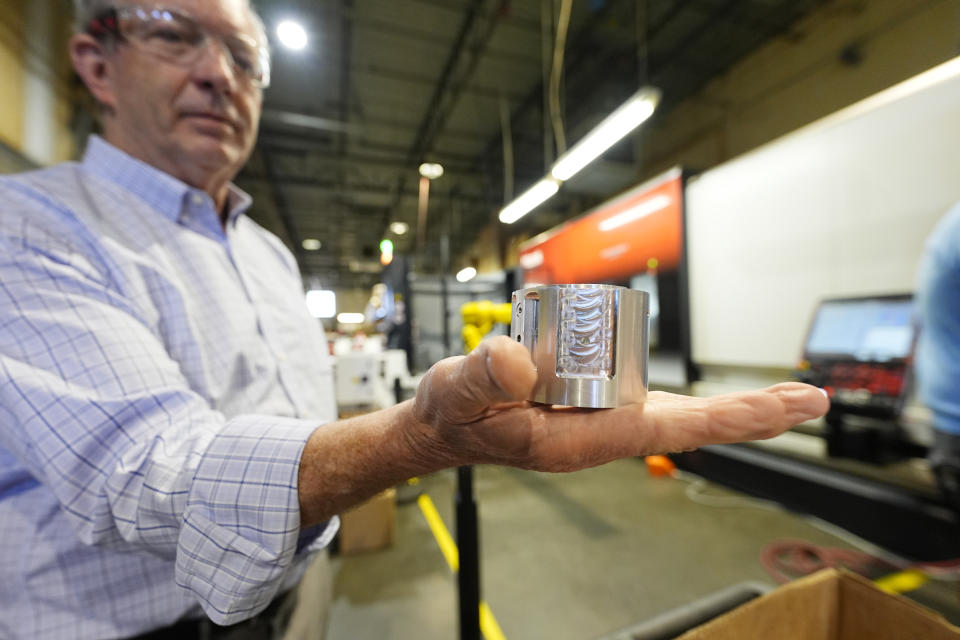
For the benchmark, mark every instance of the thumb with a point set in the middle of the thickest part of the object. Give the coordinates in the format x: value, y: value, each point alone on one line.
x: 499, y: 370
x: 461, y: 390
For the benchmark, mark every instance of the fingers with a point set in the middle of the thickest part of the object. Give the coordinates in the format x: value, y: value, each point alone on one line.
x: 480, y: 392
x: 682, y: 423
x: 569, y: 440
x: 801, y: 402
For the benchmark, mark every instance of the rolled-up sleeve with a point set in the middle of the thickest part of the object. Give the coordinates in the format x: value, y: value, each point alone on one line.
x: 94, y: 407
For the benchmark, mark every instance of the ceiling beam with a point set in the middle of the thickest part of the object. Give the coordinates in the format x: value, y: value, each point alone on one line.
x: 338, y: 190
x: 291, y: 146
x: 363, y: 121
x: 524, y: 23
x: 422, y: 35
x: 471, y: 41
x: 402, y: 75
x: 306, y: 121
x: 709, y: 21
x: 430, y: 36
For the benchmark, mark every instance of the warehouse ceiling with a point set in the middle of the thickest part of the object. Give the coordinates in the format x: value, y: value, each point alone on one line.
x: 387, y: 84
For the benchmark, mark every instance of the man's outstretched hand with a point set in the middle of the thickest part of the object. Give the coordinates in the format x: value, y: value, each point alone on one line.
x: 472, y: 410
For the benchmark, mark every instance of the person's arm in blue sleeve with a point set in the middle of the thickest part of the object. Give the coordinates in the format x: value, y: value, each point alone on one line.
x: 938, y: 349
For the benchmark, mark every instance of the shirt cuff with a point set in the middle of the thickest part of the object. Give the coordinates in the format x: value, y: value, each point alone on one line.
x: 241, y: 524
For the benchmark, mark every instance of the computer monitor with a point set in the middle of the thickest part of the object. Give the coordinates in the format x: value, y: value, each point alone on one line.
x: 860, y: 350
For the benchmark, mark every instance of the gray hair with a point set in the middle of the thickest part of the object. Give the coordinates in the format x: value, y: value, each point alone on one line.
x: 84, y: 11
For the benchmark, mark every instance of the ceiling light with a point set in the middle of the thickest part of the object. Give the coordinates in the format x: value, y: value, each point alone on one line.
x: 311, y: 244
x: 467, y: 274
x: 322, y: 303
x: 292, y: 35
x: 431, y: 170
x: 611, y: 130
x: 399, y: 228
x: 350, y: 318
x: 529, y: 200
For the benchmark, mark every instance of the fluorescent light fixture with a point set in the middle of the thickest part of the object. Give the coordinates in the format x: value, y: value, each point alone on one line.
x: 467, y: 274
x: 635, y: 212
x: 322, y: 303
x: 350, y: 318
x: 399, y: 228
x: 292, y: 35
x: 311, y: 244
x: 611, y: 130
x: 431, y: 170
x: 530, y: 200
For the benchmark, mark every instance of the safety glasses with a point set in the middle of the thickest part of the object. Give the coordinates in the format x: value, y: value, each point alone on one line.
x: 177, y: 38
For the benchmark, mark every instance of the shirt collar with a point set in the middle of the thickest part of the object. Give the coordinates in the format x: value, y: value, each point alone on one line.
x: 160, y: 190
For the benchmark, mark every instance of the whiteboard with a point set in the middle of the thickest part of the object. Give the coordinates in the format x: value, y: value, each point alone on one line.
x: 841, y: 207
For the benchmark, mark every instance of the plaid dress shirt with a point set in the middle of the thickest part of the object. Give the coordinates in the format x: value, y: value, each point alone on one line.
x: 159, y: 377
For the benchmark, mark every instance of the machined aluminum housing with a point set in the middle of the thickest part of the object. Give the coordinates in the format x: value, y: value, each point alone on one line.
x: 589, y: 342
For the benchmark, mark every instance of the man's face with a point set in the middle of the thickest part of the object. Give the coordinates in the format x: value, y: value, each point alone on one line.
x: 191, y: 121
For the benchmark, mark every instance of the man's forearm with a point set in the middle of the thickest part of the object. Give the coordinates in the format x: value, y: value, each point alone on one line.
x: 348, y: 461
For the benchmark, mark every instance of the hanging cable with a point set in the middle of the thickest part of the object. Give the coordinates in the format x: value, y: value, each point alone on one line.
x: 643, y: 52
x: 556, y: 75
x: 507, y: 139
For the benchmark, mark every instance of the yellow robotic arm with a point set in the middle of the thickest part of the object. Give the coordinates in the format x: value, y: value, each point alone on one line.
x: 479, y: 318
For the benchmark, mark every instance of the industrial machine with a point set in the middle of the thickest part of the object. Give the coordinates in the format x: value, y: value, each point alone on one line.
x: 372, y: 379
x: 479, y: 318
x: 860, y: 351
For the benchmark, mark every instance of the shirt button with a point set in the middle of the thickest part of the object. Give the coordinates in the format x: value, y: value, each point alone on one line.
x: 197, y: 199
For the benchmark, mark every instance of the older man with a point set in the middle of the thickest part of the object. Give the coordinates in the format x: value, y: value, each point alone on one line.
x: 162, y: 388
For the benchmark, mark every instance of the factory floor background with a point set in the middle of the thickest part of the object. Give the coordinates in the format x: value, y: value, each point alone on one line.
x: 570, y: 556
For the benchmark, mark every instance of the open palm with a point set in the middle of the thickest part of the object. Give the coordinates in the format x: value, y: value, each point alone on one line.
x: 475, y: 409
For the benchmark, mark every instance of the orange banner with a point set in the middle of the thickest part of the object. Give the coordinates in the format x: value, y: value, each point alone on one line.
x: 638, y: 231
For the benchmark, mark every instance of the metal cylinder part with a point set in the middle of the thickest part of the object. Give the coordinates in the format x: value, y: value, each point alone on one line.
x: 589, y: 342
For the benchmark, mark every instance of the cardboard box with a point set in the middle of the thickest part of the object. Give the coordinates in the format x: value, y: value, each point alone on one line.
x: 828, y: 605
x: 371, y: 525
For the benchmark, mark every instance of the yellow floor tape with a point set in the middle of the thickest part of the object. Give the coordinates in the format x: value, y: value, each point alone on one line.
x: 488, y: 624
x: 902, y: 581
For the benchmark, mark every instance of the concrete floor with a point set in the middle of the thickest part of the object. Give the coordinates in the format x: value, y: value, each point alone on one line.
x: 575, y: 556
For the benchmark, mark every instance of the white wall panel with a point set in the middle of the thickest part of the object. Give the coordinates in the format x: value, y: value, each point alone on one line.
x: 838, y: 208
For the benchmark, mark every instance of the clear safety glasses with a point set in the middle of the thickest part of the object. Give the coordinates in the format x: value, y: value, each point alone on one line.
x: 177, y: 38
